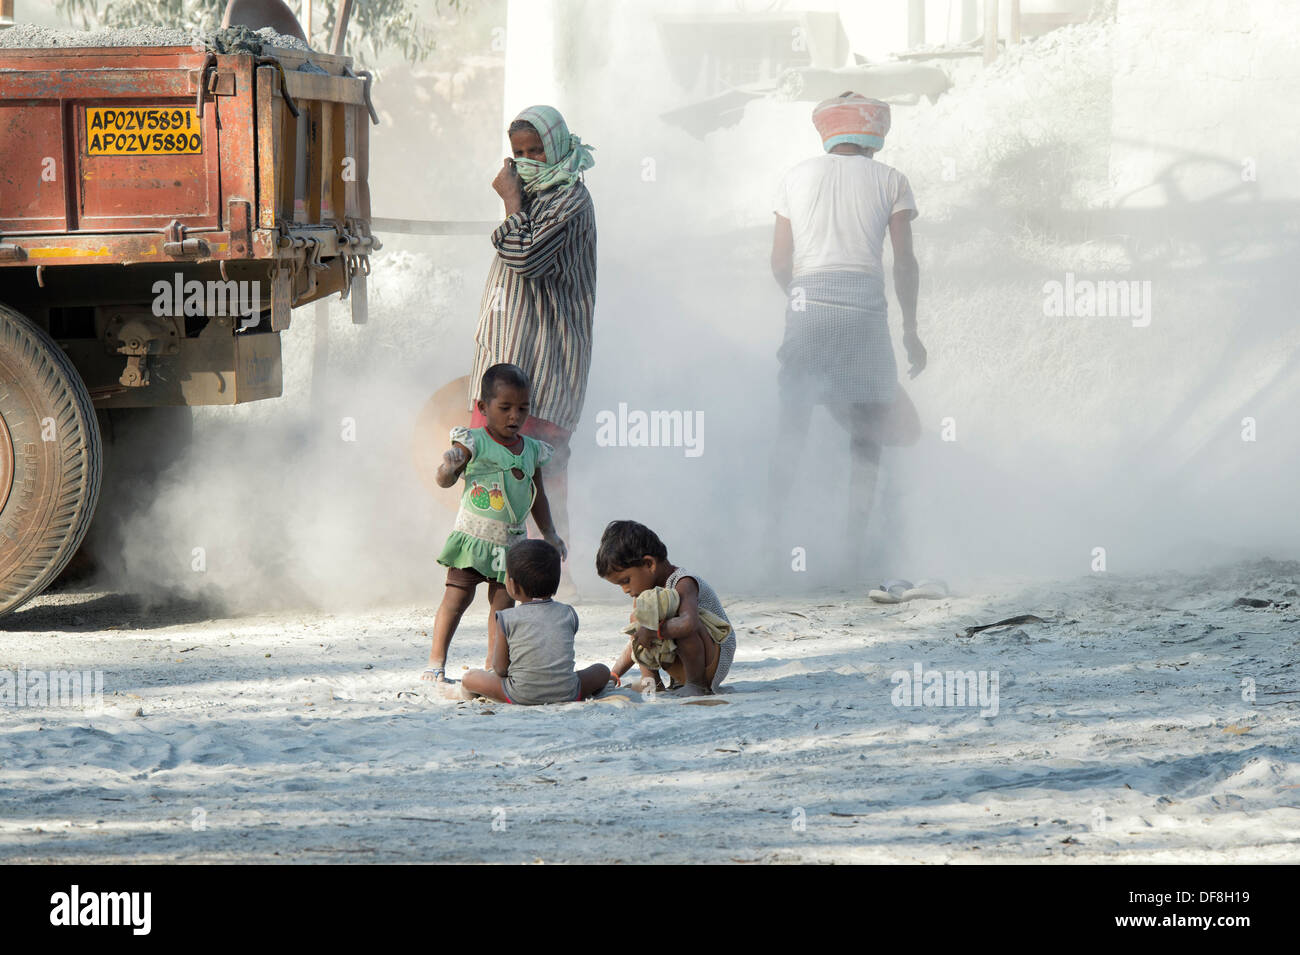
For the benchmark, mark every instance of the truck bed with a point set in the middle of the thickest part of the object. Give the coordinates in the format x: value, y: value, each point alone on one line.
x: 87, y: 174
x: 117, y: 173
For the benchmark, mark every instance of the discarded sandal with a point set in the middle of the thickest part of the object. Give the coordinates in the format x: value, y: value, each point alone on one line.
x: 927, y: 590
x: 891, y: 592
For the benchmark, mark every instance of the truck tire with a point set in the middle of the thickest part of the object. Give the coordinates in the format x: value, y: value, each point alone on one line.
x: 50, y: 459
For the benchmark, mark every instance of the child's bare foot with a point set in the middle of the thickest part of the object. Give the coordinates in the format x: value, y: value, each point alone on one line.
x: 691, y: 689
x: 455, y: 691
x: 433, y: 674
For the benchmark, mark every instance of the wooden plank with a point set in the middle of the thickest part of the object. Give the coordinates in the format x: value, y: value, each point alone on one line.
x: 297, y: 137
x: 340, y: 31
x: 315, y: 159
x: 326, y: 160
x: 292, y: 59
x: 337, y: 185
x: 318, y: 86
x: 351, y: 203
x: 268, y: 148
x: 286, y: 148
x: 363, y: 162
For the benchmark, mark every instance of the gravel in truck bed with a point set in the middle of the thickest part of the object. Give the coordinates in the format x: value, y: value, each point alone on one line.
x: 236, y: 39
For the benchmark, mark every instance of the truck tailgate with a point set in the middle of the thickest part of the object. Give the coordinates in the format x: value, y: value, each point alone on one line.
x: 111, y: 140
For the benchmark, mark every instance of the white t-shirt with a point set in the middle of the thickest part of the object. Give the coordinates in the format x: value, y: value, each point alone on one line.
x: 839, y: 208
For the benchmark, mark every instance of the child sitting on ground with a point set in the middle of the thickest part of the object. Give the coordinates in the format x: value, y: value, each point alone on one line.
x: 503, y: 484
x: 533, y: 659
x: 632, y: 556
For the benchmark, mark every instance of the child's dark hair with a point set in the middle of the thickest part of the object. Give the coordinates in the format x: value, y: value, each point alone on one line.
x: 535, y: 566
x: 625, y: 543
x: 503, y: 374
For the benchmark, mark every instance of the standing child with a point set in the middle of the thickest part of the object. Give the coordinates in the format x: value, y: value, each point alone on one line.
x: 503, y: 484
x: 533, y: 659
x: 633, y: 557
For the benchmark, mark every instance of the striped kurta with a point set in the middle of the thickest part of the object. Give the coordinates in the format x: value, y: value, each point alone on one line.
x: 538, y: 301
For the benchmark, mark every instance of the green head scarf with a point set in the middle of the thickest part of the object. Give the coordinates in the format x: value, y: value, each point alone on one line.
x: 566, y: 155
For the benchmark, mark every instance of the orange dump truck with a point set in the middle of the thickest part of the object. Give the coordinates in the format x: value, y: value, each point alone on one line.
x: 162, y: 211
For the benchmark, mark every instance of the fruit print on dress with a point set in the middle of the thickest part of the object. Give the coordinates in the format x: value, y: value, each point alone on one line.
x: 479, y: 497
x: 496, y: 497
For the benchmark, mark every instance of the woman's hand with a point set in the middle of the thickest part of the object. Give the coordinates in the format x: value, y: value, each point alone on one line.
x: 509, y: 187
x: 553, y: 539
x: 915, y: 352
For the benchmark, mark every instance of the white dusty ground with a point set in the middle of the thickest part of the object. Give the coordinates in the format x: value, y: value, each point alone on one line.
x: 1121, y: 735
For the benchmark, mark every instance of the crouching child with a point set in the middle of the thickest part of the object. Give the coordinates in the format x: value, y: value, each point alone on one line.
x: 684, y: 632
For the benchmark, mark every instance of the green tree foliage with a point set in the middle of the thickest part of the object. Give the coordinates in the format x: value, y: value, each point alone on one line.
x: 374, y: 26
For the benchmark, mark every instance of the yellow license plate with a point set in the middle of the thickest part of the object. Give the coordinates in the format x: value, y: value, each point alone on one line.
x: 142, y: 131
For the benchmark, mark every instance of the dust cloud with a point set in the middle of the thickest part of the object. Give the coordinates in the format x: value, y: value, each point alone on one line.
x: 1045, y: 436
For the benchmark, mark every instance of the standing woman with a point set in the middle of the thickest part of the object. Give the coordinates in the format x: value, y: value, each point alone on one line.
x: 832, y: 213
x: 541, y: 291
x: 537, y: 304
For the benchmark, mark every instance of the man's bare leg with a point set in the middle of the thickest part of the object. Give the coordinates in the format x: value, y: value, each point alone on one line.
x: 864, y: 423
x: 557, y: 492
x: 863, y: 473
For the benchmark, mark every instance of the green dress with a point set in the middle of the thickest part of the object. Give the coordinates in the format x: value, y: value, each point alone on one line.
x: 495, y: 503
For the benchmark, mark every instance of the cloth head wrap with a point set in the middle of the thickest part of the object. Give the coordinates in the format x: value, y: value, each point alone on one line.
x: 851, y: 118
x: 566, y: 155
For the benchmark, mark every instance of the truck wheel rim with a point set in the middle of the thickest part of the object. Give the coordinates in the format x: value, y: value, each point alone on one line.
x: 6, y: 463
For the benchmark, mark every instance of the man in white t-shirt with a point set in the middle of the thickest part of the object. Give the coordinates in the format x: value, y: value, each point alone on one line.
x: 832, y: 213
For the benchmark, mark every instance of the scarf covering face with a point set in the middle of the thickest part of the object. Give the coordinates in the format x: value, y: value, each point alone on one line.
x: 852, y: 118
x: 566, y: 155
